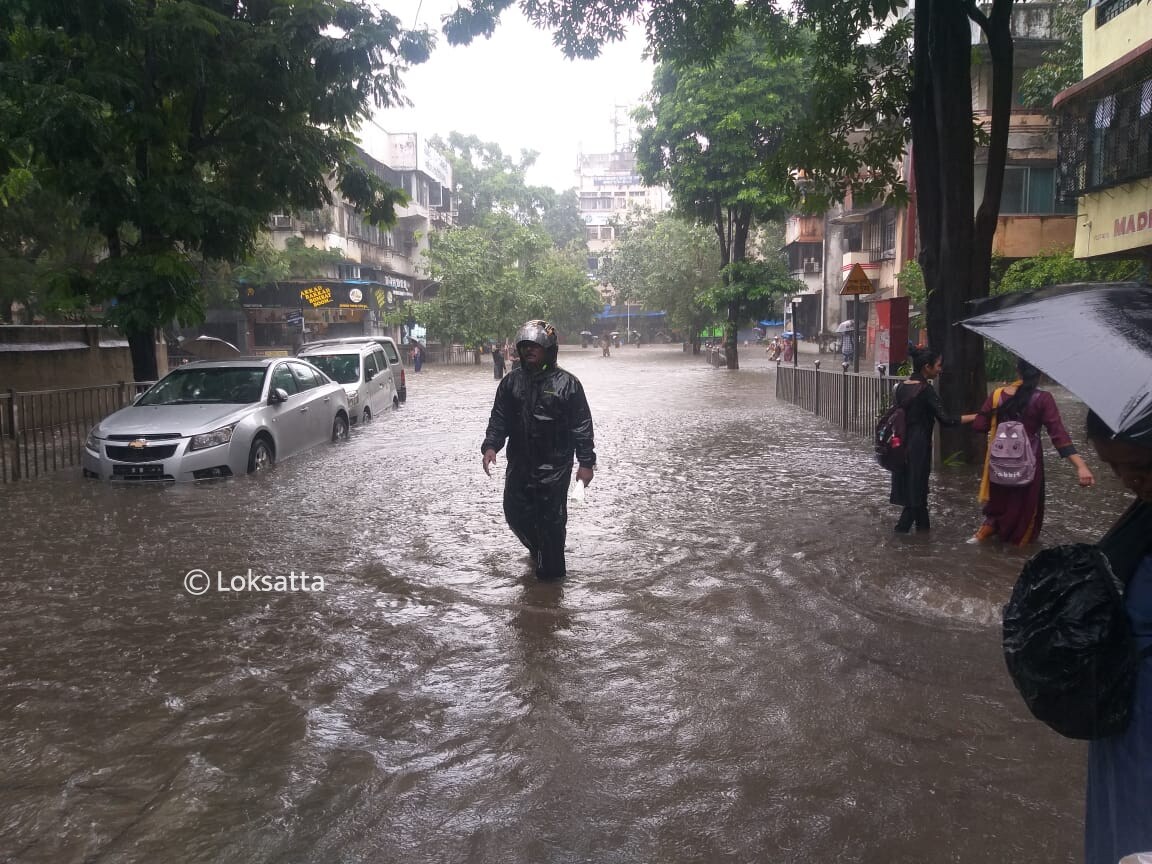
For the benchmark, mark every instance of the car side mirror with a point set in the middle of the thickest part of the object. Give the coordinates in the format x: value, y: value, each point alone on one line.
x: 369, y: 375
x: 277, y: 396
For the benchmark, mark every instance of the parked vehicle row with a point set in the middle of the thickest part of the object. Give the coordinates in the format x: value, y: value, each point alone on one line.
x: 212, y: 419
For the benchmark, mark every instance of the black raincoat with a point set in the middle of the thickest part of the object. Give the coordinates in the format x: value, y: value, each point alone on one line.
x: 545, y: 419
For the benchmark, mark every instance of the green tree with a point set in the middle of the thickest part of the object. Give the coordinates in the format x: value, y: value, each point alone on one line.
x: 1063, y: 63
x: 175, y: 127
x: 860, y: 76
x: 562, y: 220
x: 668, y: 263
x: 487, y: 179
x: 715, y: 134
x: 482, y: 273
x: 496, y: 275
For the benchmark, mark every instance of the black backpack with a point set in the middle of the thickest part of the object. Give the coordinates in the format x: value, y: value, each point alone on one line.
x: 890, y: 441
x: 1068, y: 642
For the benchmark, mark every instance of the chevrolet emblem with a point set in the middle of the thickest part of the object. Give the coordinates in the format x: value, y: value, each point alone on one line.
x: 138, y: 444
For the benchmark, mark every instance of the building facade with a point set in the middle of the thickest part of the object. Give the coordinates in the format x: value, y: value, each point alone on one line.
x: 609, y: 186
x: 1106, y: 133
x: 380, y: 269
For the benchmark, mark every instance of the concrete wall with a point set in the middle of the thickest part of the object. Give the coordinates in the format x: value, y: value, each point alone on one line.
x: 1022, y: 236
x: 54, y: 357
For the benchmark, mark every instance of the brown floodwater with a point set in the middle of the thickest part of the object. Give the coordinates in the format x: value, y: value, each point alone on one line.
x: 744, y: 665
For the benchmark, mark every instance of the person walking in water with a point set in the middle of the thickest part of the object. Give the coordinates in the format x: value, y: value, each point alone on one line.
x: 923, y: 409
x: 1015, y: 514
x: 542, y: 413
x: 497, y: 362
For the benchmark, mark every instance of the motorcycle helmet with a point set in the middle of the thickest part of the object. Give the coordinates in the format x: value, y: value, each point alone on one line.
x: 541, y: 333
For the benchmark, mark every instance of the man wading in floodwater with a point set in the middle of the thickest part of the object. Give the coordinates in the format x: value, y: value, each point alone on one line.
x: 543, y: 414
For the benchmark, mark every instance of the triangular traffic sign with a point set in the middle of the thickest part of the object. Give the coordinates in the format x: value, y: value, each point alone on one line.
x: 857, y: 282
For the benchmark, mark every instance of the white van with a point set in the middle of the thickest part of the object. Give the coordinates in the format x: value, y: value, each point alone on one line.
x: 362, y: 367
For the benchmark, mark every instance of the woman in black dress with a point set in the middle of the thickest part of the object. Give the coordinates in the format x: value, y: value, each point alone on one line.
x: 923, y: 409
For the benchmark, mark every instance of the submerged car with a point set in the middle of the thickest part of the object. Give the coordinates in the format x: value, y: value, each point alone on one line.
x: 362, y: 368
x: 216, y: 419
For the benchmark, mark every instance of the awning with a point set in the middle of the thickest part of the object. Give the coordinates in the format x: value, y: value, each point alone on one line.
x: 1100, y: 76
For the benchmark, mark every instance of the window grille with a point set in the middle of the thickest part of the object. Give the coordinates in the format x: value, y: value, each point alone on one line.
x: 1109, y: 9
x: 1107, y: 141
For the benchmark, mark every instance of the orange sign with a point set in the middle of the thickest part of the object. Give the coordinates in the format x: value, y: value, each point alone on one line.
x: 857, y: 282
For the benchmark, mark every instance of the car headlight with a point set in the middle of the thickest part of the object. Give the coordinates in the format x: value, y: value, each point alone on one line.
x: 353, y: 398
x: 212, y: 439
x: 92, y: 442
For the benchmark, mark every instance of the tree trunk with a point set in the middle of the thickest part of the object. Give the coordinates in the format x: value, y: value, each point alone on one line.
x: 943, y: 154
x: 142, y: 346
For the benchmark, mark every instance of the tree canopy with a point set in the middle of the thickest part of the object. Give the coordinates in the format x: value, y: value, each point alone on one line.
x: 718, y: 135
x: 175, y: 128
x: 498, y: 274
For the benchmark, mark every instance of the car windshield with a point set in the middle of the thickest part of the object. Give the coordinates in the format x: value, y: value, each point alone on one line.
x: 342, y: 368
x: 197, y: 386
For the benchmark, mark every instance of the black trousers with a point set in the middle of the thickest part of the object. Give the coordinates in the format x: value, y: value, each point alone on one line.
x: 538, y: 516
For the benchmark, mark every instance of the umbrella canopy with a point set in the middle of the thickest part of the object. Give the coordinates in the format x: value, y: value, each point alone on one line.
x: 210, y: 348
x: 788, y: 334
x: 845, y: 326
x: 1094, y: 338
x: 585, y: 332
x: 614, y: 333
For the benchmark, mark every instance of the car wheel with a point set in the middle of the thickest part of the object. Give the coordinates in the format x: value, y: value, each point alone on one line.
x: 261, y: 457
x: 395, y: 403
x: 340, y: 428
x: 367, y: 415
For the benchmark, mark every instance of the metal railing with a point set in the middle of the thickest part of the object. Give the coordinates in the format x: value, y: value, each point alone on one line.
x: 853, y: 401
x: 44, y: 430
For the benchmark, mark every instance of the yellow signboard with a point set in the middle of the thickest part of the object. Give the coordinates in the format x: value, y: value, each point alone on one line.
x: 857, y: 282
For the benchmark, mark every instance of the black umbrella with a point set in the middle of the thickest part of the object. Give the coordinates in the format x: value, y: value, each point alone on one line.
x: 1094, y: 338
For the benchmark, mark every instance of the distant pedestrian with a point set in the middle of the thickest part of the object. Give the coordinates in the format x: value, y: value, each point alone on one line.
x: 923, y: 409
x: 542, y: 413
x: 417, y: 355
x: 1015, y: 514
x: 497, y: 362
x: 789, y: 350
x: 848, y: 346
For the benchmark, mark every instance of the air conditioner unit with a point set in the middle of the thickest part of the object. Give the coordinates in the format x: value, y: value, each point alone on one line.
x: 811, y: 265
x: 281, y: 221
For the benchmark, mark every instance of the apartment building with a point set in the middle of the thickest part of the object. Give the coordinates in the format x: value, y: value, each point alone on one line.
x: 1106, y: 133
x: 380, y: 268
x: 881, y: 237
x: 609, y: 186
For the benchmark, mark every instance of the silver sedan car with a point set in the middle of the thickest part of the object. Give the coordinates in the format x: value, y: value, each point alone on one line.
x: 215, y: 419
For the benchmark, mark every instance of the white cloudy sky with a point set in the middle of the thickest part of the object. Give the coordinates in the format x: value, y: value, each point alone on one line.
x: 518, y: 90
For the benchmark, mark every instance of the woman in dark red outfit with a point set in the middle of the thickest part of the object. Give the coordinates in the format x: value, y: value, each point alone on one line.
x: 1015, y: 514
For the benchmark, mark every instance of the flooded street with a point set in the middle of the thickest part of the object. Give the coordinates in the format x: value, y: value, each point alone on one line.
x: 744, y: 665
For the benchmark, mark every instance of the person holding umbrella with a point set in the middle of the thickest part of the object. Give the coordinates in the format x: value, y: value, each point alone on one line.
x: 1015, y: 513
x: 1062, y: 331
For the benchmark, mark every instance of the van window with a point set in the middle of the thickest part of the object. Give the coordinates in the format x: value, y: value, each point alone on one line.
x: 391, y: 352
x: 381, y: 360
x: 341, y: 368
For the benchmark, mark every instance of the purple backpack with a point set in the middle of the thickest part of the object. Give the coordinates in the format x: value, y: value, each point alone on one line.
x: 1011, y: 460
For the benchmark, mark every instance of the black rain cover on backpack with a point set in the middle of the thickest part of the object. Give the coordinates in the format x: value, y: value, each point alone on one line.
x: 1068, y: 642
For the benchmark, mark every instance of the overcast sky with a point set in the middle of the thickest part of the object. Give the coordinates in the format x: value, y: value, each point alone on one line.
x: 518, y: 90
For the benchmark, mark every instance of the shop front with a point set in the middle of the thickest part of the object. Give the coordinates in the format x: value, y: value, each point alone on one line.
x: 283, y: 316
